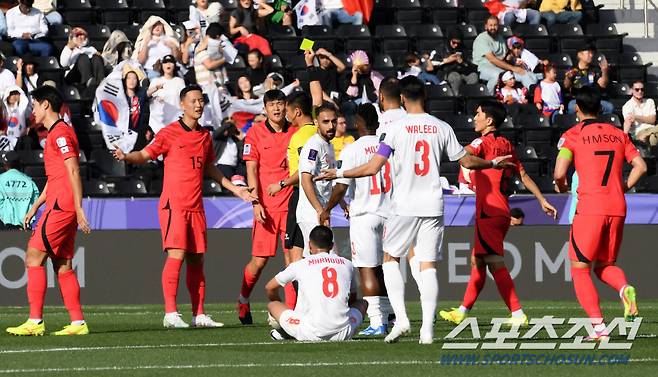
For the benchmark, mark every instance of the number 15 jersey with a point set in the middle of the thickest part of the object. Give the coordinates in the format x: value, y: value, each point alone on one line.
x: 419, y: 141
x: 599, y: 151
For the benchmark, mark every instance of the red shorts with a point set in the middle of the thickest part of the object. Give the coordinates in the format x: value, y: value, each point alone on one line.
x: 595, y: 238
x: 264, y: 236
x: 490, y: 234
x: 185, y: 230
x: 55, y: 233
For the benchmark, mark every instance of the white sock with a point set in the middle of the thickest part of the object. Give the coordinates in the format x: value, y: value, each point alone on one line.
x: 35, y: 320
x: 395, y: 288
x: 414, y: 266
x: 78, y: 323
x: 374, y: 311
x: 429, y: 293
x: 464, y: 309
x: 517, y: 313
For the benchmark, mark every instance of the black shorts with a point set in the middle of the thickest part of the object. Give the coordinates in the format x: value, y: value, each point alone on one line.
x: 294, y: 236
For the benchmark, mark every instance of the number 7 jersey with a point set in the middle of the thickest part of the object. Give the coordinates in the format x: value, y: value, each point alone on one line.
x: 599, y: 151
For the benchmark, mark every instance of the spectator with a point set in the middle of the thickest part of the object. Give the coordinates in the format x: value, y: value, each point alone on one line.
x: 156, y: 40
x: 164, y: 92
x: 512, y: 96
x: 518, y: 55
x: 555, y: 11
x: 489, y: 51
x: 84, y: 64
x: 247, y: 105
x: 257, y: 68
x: 191, y: 40
x: 18, y: 192
x: 281, y: 15
x: 548, y: 93
x: 584, y: 73
x: 510, y: 11
x: 209, y: 60
x: 3, y: 24
x: 364, y: 83
x: 138, y: 104
x: 7, y: 78
x: 242, y: 26
x: 456, y: 69
x: 117, y: 49
x: 27, y: 28
x: 27, y: 76
x: 516, y: 216
x: 640, y: 116
x: 334, y: 13
x: 228, y: 147
x: 18, y: 109
x: 342, y: 138
x: 48, y: 8
x: 205, y: 13
x: 330, y: 70
x: 416, y: 68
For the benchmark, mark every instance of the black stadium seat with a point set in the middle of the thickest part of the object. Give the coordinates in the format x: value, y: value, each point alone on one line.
x: 211, y: 188
x: 608, y: 40
x: 106, y: 165
x: 444, y: 12
x: 95, y: 187
x: 147, y: 8
x: 131, y: 187
x: 535, y: 36
x: 570, y: 37
x: 78, y: 12
x: 408, y: 12
x: 114, y: 12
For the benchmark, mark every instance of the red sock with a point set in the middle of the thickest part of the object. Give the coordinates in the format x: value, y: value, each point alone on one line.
x: 196, y: 285
x: 291, y: 295
x: 474, y: 287
x: 248, y: 283
x: 68, y: 285
x: 506, y: 289
x: 586, y: 292
x: 36, y: 290
x: 612, y: 275
x: 170, y: 274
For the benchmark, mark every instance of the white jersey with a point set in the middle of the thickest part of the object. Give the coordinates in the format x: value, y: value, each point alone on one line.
x: 369, y: 194
x: 316, y: 155
x: 387, y: 118
x: 418, y: 142
x: 325, y: 282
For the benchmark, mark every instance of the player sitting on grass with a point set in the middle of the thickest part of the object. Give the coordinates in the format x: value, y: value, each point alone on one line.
x: 492, y: 214
x: 326, y: 307
x: 54, y: 236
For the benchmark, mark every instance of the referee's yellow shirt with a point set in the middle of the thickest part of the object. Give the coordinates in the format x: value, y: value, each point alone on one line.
x: 297, y: 143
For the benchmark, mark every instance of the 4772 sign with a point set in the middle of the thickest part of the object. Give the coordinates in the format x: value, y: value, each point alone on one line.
x: 510, y: 338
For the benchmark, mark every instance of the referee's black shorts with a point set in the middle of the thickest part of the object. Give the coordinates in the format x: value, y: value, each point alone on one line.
x: 294, y: 236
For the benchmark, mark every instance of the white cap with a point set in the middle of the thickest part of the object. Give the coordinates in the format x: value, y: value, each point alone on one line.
x: 190, y: 25
x: 507, y: 76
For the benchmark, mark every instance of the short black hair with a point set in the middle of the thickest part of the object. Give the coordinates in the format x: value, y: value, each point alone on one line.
x: 494, y: 110
x: 189, y: 88
x: 389, y: 88
x: 50, y: 94
x: 588, y: 99
x: 11, y: 159
x: 274, y: 95
x: 28, y: 3
x: 215, y: 30
x: 301, y: 101
x: 517, y: 213
x: 491, y: 17
x: 327, y: 106
x: 412, y: 88
x: 322, y: 237
x: 369, y: 114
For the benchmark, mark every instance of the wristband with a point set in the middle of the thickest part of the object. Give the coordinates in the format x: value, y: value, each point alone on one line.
x: 494, y: 164
x: 340, y: 173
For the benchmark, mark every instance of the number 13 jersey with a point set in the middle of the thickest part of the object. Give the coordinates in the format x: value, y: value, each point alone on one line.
x: 599, y: 151
x: 418, y: 142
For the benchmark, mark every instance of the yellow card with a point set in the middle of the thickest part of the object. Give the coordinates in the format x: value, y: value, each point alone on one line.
x: 306, y: 45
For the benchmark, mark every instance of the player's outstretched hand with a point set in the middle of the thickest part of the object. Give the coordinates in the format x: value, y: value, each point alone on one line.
x: 246, y: 193
x: 273, y: 189
x: 27, y: 220
x: 502, y: 162
x: 118, y: 153
x: 549, y: 209
x: 326, y: 175
x: 82, y: 221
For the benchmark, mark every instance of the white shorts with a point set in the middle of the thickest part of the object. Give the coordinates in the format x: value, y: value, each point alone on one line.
x: 366, y: 233
x: 425, y: 234
x: 298, y: 327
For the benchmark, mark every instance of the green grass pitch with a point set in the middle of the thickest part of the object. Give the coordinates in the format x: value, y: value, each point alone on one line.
x: 130, y: 341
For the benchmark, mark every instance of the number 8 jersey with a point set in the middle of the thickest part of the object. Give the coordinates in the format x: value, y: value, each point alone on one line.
x: 599, y: 151
x: 419, y: 141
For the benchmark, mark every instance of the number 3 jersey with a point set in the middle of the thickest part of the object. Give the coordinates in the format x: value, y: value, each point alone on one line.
x: 186, y: 153
x: 324, y: 288
x: 369, y: 194
x: 418, y: 142
x: 599, y: 151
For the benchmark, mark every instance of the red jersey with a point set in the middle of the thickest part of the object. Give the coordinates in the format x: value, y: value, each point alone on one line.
x: 61, y: 144
x: 269, y: 148
x: 491, y: 184
x: 186, y: 153
x: 599, y: 150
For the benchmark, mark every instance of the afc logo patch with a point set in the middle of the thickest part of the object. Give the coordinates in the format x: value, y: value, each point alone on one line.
x: 61, y: 141
x: 247, y: 149
x: 313, y: 155
x: 476, y: 143
x: 560, y: 143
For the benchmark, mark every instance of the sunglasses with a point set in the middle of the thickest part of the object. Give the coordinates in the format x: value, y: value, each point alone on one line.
x: 638, y: 89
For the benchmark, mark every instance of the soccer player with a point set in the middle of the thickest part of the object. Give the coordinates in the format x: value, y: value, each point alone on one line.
x: 317, y: 154
x: 492, y: 214
x: 598, y: 151
x: 54, y: 236
x: 188, y: 156
x: 369, y: 209
x: 327, y: 308
x: 265, y: 153
x: 419, y: 141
